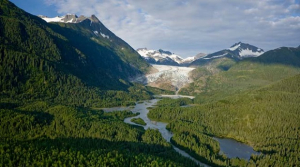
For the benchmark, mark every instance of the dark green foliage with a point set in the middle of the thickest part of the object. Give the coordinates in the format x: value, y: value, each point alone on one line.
x: 168, y: 102
x: 200, y: 146
x: 138, y: 121
x: 41, y: 134
x: 267, y: 119
x: 170, y: 106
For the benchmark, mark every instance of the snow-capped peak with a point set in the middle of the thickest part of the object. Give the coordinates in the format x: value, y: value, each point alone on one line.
x: 158, y: 54
x: 246, y: 50
x: 235, y: 46
x: 72, y: 18
x: 69, y: 18
x: 189, y: 58
x: 164, y: 57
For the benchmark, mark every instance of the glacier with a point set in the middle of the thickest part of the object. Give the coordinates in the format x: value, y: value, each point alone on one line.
x: 179, y: 76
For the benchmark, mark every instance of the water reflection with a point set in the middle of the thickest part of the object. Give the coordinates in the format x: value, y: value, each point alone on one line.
x: 233, y: 149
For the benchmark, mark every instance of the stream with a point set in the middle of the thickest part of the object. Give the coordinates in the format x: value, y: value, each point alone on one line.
x: 142, y: 109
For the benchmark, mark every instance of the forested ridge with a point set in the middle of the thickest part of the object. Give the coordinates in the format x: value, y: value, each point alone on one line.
x: 41, y: 61
x: 266, y: 118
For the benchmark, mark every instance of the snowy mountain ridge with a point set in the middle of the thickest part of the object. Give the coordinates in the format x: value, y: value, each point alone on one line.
x: 164, y: 57
x: 246, y: 50
x: 69, y: 18
x: 237, y: 52
x: 99, y: 30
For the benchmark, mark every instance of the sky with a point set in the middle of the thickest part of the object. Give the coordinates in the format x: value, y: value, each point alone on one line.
x: 186, y: 27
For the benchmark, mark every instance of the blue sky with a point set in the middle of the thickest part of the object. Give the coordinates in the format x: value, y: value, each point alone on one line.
x: 186, y: 27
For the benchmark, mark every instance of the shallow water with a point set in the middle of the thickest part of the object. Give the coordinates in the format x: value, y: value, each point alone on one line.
x: 175, y: 96
x: 232, y: 148
x: 116, y: 109
x: 142, y: 109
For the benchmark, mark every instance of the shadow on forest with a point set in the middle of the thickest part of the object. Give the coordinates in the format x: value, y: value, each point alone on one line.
x: 86, y: 146
x: 102, y: 58
x: 40, y: 117
x: 5, y: 105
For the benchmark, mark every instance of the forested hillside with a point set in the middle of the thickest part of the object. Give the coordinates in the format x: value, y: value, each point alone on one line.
x: 63, y: 64
x: 225, y: 77
x: 267, y: 119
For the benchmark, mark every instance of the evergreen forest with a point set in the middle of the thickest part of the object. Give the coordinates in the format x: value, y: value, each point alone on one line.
x: 55, y: 78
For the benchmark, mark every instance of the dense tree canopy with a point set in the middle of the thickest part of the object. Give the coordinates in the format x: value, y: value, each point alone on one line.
x: 267, y: 119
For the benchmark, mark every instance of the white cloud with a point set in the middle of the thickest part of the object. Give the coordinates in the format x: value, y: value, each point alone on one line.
x: 189, y: 27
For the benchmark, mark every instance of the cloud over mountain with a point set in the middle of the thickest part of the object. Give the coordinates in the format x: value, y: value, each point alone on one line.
x: 189, y: 27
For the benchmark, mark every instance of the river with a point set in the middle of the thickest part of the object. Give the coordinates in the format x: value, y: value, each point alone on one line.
x: 142, y: 109
x: 229, y: 147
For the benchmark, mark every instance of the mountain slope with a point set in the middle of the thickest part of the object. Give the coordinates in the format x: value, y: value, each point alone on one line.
x: 91, y: 28
x: 284, y: 55
x: 64, y: 62
x: 236, y: 52
x: 225, y: 77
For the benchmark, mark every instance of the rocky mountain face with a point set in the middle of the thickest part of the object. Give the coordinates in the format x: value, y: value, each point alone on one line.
x: 236, y: 52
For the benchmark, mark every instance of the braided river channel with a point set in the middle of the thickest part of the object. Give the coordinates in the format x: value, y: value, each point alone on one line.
x: 229, y: 147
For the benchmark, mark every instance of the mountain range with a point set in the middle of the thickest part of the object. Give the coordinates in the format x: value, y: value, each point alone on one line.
x: 162, y: 57
x: 236, y: 52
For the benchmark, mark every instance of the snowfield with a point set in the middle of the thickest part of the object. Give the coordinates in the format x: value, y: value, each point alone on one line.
x: 247, y: 52
x: 179, y: 76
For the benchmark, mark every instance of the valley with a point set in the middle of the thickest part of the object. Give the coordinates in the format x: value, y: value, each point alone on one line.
x: 141, y: 108
x: 73, y: 93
